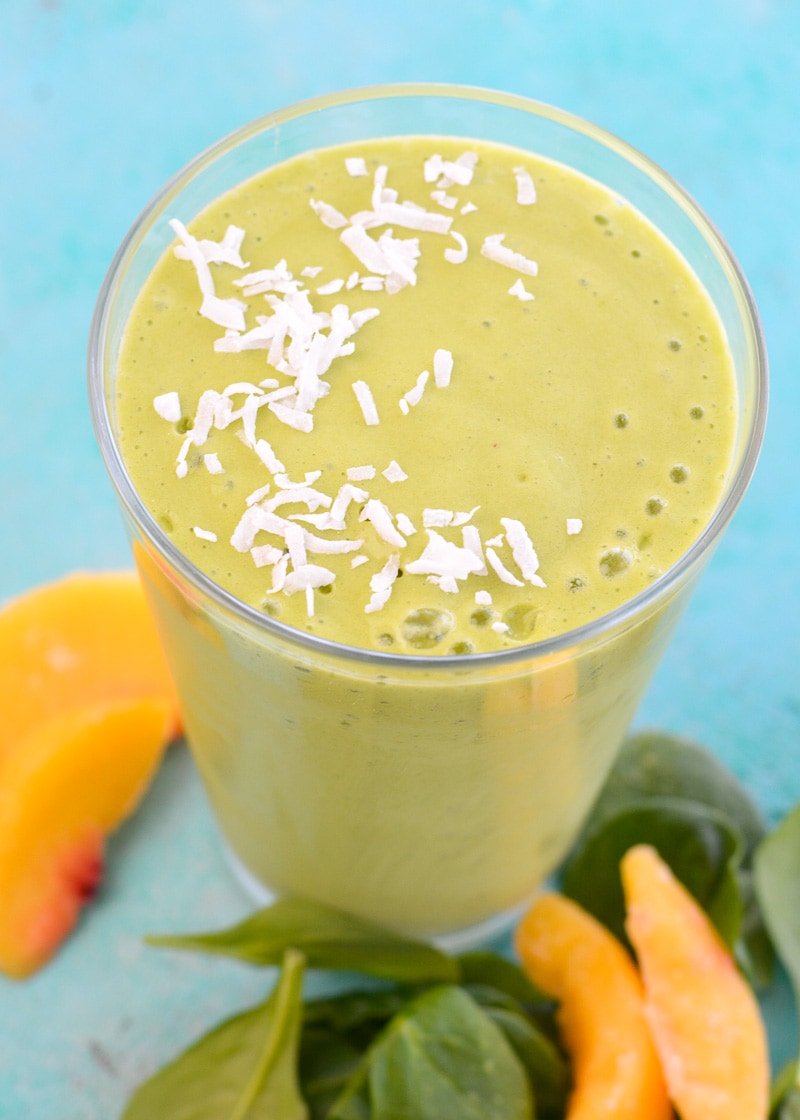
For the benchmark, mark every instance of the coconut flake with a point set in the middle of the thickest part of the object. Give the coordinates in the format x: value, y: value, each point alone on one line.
x: 519, y: 290
x: 366, y: 402
x: 381, y: 520
x: 212, y: 463
x: 494, y: 250
x: 327, y: 214
x: 204, y: 534
x: 357, y: 561
x: 394, y: 473
x: 414, y: 396
x: 227, y: 313
x: 502, y: 571
x: 459, y: 170
x: 266, y: 554
x: 459, y: 255
x: 442, y: 368
x: 574, y: 526
x: 293, y: 417
x: 168, y: 407
x: 432, y: 168
x: 372, y: 284
x: 405, y: 524
x: 443, y: 558
x: 311, y: 271
x: 381, y: 584
x: 526, y: 191
x: 268, y: 457
x: 360, y: 474
x: 437, y: 518
x: 307, y: 576
x: 345, y: 495
x: 500, y: 627
x: 331, y: 287
x: 483, y: 599
x: 522, y: 550
x: 468, y: 208
x: 449, y: 201
x: 356, y: 165
x: 226, y: 251
x: 472, y: 540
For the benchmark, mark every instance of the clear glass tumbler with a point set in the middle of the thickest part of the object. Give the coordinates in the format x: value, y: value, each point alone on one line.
x: 432, y: 794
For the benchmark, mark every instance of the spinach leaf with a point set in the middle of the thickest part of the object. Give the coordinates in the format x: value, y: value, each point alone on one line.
x: 547, y: 1069
x: 701, y: 846
x: 327, y: 1062
x: 784, y: 1098
x: 243, y: 1069
x: 353, y: 1102
x: 493, y: 971
x: 442, y: 1056
x: 656, y: 764
x: 352, y: 1010
x: 328, y: 938
x: 776, y: 867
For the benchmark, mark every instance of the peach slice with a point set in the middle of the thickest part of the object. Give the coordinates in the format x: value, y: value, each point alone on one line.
x: 572, y: 957
x: 84, y: 639
x: 703, y: 1016
x: 67, y: 784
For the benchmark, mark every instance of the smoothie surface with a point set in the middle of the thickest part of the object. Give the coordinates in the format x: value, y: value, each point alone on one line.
x: 443, y: 396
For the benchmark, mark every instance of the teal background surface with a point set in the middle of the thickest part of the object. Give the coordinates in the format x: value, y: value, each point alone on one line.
x: 100, y: 102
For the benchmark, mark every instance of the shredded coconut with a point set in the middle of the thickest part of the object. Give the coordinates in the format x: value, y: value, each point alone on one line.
x: 494, y: 249
x: 356, y: 165
x: 366, y: 402
x: 483, y: 599
x: 519, y: 290
x: 414, y: 396
x: 227, y: 313
x: 204, y: 534
x: 405, y: 524
x: 443, y: 558
x: 442, y: 368
x: 574, y: 526
x: 459, y: 255
x: 526, y: 191
x: 226, y: 251
x: 394, y: 473
x: 381, y: 519
x: 331, y: 287
x: 327, y: 214
x: 522, y: 550
x: 360, y: 474
x: 212, y: 463
x: 500, y: 627
x: 168, y: 407
x: 502, y: 571
x: 381, y: 584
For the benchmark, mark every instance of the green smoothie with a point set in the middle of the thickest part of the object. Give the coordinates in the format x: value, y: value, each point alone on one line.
x: 418, y: 396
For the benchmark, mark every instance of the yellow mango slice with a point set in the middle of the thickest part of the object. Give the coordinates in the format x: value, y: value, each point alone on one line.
x: 573, y: 958
x: 84, y: 639
x: 67, y: 783
x: 704, y: 1019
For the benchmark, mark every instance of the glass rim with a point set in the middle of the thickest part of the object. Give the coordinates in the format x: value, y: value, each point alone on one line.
x: 595, y: 630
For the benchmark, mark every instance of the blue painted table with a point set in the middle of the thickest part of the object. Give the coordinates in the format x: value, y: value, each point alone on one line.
x: 99, y: 104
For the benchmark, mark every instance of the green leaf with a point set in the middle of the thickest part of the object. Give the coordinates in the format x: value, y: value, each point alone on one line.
x: 353, y: 1102
x: 444, y: 1057
x: 655, y: 764
x: 244, y: 1069
x: 776, y: 869
x: 327, y: 1062
x: 699, y: 844
x: 547, y: 1070
x: 328, y: 938
x: 355, y: 1009
x: 493, y: 971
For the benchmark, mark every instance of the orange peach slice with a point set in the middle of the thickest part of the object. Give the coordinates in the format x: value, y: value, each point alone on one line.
x: 703, y: 1016
x: 69, y: 782
x: 85, y: 639
x: 572, y: 957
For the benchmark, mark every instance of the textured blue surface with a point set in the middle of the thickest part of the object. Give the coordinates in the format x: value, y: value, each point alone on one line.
x: 99, y: 103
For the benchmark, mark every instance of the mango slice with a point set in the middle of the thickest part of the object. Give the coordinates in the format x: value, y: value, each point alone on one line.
x: 69, y: 782
x: 572, y: 957
x: 703, y: 1016
x: 84, y: 639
